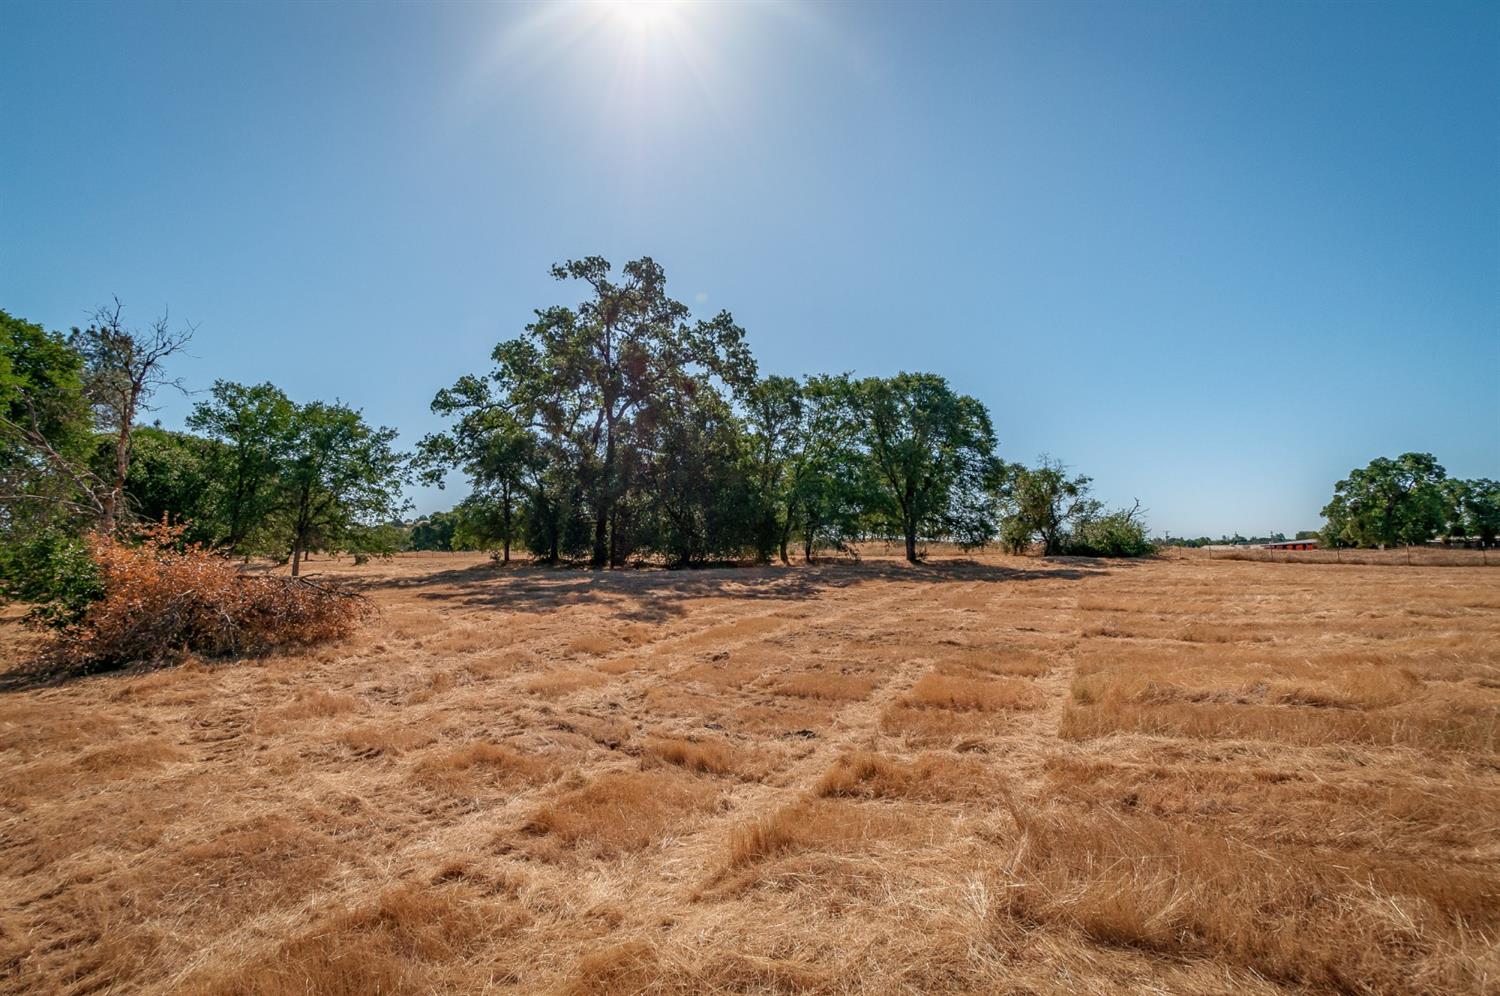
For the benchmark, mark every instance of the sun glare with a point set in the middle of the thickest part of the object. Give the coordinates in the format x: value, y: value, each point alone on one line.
x: 646, y: 15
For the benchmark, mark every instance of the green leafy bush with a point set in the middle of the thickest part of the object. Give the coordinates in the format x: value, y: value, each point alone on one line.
x: 1118, y: 534
x: 55, y: 573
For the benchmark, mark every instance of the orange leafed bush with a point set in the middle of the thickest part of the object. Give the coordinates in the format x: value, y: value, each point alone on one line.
x: 163, y: 599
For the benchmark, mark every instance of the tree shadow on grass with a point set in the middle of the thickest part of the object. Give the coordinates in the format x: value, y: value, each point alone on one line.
x: 638, y: 595
x: 653, y: 595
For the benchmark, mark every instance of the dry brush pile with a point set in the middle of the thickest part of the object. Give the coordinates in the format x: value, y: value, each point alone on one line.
x: 162, y: 599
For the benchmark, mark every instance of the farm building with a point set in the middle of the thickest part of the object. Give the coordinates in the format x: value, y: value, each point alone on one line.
x: 1300, y: 544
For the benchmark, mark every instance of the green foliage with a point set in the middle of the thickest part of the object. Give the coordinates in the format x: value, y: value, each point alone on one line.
x: 1474, y: 510
x: 563, y: 428
x: 339, y: 476
x: 1044, y: 505
x: 295, y: 478
x: 931, y: 458
x: 170, y: 475
x: 41, y: 397
x: 776, y: 437
x: 47, y: 495
x: 1120, y: 533
x: 435, y: 532
x: 1389, y: 503
x: 1041, y: 504
x: 829, y: 481
x: 53, y: 571
x: 700, y: 505
x: 254, y: 427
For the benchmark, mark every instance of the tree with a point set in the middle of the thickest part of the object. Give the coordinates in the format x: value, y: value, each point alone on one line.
x: 44, y: 426
x: 171, y: 476
x: 699, y: 503
x: 434, y: 532
x: 254, y: 426
x: 1389, y: 503
x: 1475, y: 510
x: 776, y: 439
x: 932, y: 455
x: 502, y: 457
x: 1120, y: 533
x: 122, y: 370
x: 48, y: 494
x: 339, y: 477
x: 1038, y: 505
x: 578, y: 381
x: 829, y: 480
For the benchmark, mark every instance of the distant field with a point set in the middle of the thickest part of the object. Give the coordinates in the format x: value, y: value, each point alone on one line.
x: 1417, y: 556
x: 993, y: 775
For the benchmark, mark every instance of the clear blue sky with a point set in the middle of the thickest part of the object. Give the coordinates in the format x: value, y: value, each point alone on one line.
x: 1212, y: 254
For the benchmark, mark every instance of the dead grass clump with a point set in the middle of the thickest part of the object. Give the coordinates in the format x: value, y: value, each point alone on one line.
x: 941, y: 727
x: 264, y: 861
x: 592, y: 645
x: 162, y: 601
x: 121, y: 759
x: 463, y: 770
x: 1303, y: 725
x: 388, y: 946
x: 1011, y: 662
x: 556, y: 684
x: 618, y: 666
x: 941, y: 691
x: 930, y: 777
x: 822, y: 685
x: 622, y: 811
x: 808, y: 824
x: 309, y: 704
x: 1149, y: 884
x: 641, y: 966
x: 617, y: 970
x: 715, y: 757
x: 375, y: 741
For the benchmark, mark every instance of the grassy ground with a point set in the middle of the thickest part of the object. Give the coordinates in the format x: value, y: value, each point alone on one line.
x: 996, y: 775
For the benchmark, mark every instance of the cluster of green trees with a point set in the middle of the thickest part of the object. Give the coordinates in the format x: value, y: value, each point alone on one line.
x: 1043, y: 505
x: 613, y: 431
x: 257, y: 473
x: 1410, y: 500
x: 622, y: 428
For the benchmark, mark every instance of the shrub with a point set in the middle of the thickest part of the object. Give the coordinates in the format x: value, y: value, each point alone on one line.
x: 1118, y: 534
x: 162, y: 599
x: 52, y: 570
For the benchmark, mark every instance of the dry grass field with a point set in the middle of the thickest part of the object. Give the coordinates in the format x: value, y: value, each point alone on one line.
x: 992, y: 775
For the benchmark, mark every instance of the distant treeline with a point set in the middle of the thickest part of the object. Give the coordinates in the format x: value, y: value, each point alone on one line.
x: 619, y: 430
x: 1235, y: 540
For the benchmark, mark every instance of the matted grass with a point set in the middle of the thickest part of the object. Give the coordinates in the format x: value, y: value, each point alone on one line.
x: 982, y: 774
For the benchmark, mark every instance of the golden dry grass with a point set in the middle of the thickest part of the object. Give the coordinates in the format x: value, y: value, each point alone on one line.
x: 979, y: 775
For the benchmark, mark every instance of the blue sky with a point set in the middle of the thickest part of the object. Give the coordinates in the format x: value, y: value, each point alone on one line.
x: 1214, y: 255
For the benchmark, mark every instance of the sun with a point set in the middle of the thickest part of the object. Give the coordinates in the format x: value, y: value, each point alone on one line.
x: 646, y: 15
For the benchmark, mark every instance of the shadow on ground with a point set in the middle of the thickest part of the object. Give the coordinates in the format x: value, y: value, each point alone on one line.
x: 656, y: 596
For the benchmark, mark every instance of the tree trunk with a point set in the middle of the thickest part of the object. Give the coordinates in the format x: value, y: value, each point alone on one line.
x: 296, y: 557
x: 601, y: 541
x: 505, y: 558
x: 911, y: 544
x: 606, y: 497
